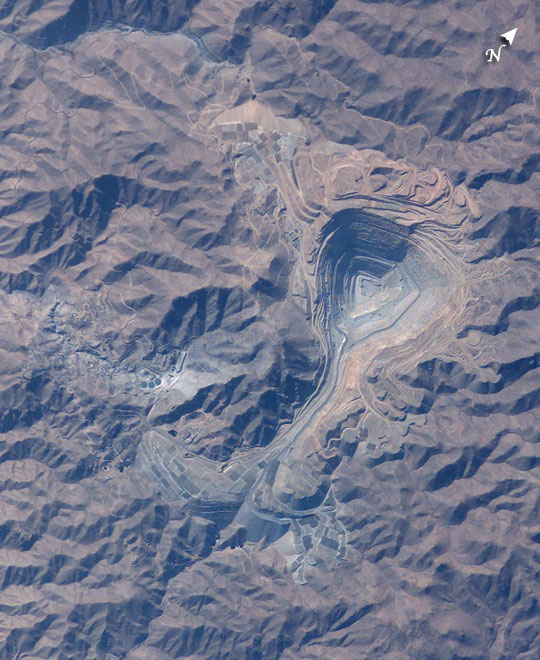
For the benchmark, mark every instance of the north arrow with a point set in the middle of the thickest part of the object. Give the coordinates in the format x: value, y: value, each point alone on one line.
x: 509, y: 36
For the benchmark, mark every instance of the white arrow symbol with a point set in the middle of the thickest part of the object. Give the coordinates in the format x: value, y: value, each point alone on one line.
x: 509, y: 36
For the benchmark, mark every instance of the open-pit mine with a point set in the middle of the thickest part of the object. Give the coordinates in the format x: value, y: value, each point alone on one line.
x: 380, y: 271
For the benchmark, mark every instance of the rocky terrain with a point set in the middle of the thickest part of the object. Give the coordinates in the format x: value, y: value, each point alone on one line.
x: 269, y: 350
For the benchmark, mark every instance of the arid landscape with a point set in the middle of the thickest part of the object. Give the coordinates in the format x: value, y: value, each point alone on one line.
x: 270, y: 289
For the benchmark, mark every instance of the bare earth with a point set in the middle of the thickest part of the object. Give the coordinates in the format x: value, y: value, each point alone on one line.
x: 269, y: 352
